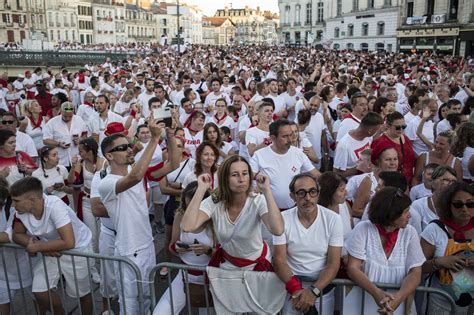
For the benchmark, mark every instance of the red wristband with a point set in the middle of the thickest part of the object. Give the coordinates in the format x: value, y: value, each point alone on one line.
x: 293, y: 285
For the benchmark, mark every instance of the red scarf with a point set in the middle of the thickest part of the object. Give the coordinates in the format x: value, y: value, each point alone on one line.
x: 353, y: 118
x: 36, y: 124
x: 390, y: 237
x: 187, y: 123
x: 220, y: 255
x: 459, y: 230
x: 89, y: 104
x: 219, y: 120
x: 82, y: 78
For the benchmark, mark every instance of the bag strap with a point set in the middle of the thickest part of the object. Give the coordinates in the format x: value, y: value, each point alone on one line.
x: 8, y: 204
x: 442, y: 227
x: 179, y: 173
x: 403, y: 154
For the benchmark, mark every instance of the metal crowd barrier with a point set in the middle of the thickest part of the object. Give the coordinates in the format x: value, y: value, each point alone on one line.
x: 337, y: 282
x: 73, y: 306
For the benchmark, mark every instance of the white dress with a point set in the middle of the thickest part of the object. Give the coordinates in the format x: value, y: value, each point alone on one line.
x: 364, y: 243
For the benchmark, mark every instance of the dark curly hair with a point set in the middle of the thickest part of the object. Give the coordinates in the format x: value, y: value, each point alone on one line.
x: 444, y: 203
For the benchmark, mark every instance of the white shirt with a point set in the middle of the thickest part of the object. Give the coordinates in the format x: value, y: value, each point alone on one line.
x: 143, y: 99
x: 255, y: 136
x: 418, y: 145
x: 290, y: 101
x: 421, y: 214
x: 349, y: 123
x: 281, y: 168
x: 128, y: 211
x: 419, y: 191
x: 26, y: 144
x: 443, y: 125
x: 107, y: 222
x: 279, y: 101
x: 56, y: 214
x: 86, y: 112
x: 409, y: 117
x: 98, y: 126
x: 57, y: 130
x: 192, y: 142
x: 348, y: 151
x: 314, y: 132
x: 55, y: 175
x: 467, y: 156
x: 306, y: 257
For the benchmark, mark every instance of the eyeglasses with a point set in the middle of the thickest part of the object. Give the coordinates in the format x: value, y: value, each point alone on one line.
x: 398, y: 128
x: 121, y: 148
x: 460, y: 204
x: 8, y: 122
x: 312, y: 193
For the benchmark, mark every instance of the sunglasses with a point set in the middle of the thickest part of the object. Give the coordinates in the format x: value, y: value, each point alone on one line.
x: 8, y: 122
x: 121, y: 148
x: 460, y: 204
x: 398, y: 128
x: 68, y: 109
x: 302, y: 193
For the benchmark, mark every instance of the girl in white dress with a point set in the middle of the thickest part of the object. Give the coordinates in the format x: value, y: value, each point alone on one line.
x: 386, y: 250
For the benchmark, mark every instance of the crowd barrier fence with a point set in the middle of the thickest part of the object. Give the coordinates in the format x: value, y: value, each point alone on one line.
x: 17, y: 253
x: 173, y: 267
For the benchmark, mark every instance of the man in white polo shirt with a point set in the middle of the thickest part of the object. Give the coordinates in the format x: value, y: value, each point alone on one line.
x: 296, y: 254
x: 281, y: 161
x: 123, y: 194
x: 45, y: 224
x: 349, y: 148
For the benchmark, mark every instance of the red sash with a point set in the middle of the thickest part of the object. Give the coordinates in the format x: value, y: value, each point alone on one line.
x: 262, y: 264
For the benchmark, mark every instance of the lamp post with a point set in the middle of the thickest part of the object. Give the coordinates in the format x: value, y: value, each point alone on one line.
x: 177, y: 14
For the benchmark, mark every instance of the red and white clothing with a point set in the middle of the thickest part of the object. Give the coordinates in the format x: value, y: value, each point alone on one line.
x: 349, y: 123
x: 281, y: 168
x: 256, y: 136
x: 49, y: 177
x: 86, y: 111
x: 348, y: 151
x: 192, y: 142
x: 26, y: 144
x: 225, y: 120
x: 35, y: 131
x: 12, y: 163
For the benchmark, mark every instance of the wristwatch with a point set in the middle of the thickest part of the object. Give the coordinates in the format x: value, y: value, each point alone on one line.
x: 315, y: 290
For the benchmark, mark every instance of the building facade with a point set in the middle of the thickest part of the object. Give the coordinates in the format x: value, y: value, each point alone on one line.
x: 302, y: 22
x: 445, y: 26
x: 363, y: 25
x: 85, y: 22
x: 190, y: 23
x: 62, y: 21
x: 218, y: 31
x: 141, y: 24
x: 14, y: 24
x: 253, y: 26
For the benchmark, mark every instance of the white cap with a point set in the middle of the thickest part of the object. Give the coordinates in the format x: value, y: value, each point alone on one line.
x: 21, y: 75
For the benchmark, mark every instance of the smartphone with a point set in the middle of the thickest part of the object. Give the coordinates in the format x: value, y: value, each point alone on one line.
x: 163, y: 114
x: 182, y: 245
x: 58, y: 185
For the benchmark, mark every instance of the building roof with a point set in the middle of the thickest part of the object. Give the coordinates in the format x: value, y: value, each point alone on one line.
x: 216, y: 21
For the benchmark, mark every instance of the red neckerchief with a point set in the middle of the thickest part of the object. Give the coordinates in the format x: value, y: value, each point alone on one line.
x: 219, y: 120
x: 36, y: 124
x: 353, y: 118
x: 390, y: 237
x: 82, y: 78
x: 187, y: 123
x: 459, y: 230
x: 192, y: 130
x: 89, y: 104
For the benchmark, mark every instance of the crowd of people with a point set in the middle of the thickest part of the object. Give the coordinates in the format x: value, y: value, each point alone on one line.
x: 311, y: 165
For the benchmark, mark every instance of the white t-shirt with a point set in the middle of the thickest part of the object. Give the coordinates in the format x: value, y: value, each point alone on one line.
x: 281, y: 168
x: 192, y: 142
x: 56, y: 214
x: 98, y: 126
x: 421, y: 214
x: 348, y: 151
x: 418, y: 145
x: 243, y: 237
x: 36, y: 134
x: 58, y: 130
x: 409, y: 117
x: 57, y: 174
x: 443, y: 125
x: 305, y: 256
x: 314, y: 131
x: 128, y: 211
x: 26, y: 144
x: 279, y: 101
x: 419, y: 191
x: 349, y: 123
x: 86, y: 112
x: 467, y: 155
x: 143, y: 99
x: 95, y: 194
x: 255, y: 136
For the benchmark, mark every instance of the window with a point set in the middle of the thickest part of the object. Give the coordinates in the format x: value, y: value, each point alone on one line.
x: 371, y: 4
x: 297, y: 14
x: 355, y: 5
x: 336, y: 32
x: 51, y: 35
x: 350, y: 30
x: 380, y: 28
x: 320, y: 12
x: 350, y: 46
x: 379, y: 46
x: 339, y: 8
x: 309, y: 13
x: 410, y: 4
x: 453, y: 10
x: 389, y: 47
x: 365, y: 29
x: 387, y: 3
x: 364, y: 46
x: 336, y: 46
x: 430, y: 7
x: 67, y: 35
x: 59, y: 35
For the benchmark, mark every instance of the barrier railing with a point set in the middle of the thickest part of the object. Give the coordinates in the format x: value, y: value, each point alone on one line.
x: 337, y: 283
x: 18, y: 266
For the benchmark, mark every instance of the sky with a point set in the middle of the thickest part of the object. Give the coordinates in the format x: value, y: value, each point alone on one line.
x: 209, y: 7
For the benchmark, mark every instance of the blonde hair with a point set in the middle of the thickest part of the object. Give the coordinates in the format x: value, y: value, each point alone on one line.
x: 25, y: 107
